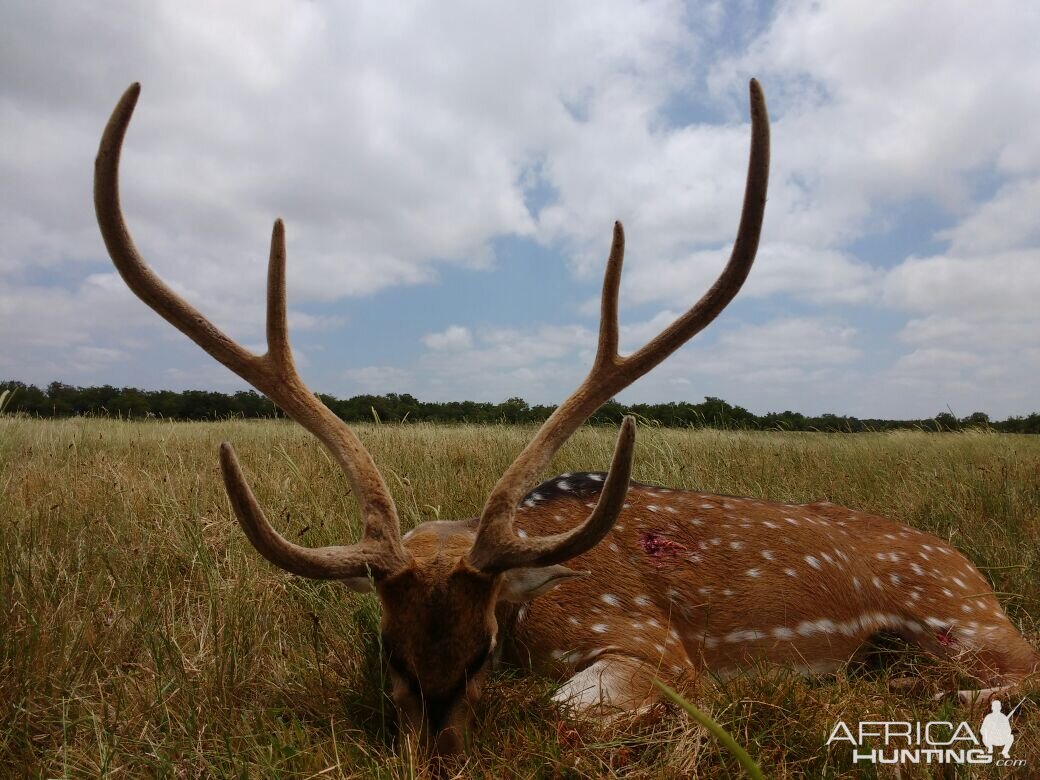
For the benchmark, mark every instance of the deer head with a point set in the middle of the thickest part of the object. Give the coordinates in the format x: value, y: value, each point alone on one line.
x: 440, y: 585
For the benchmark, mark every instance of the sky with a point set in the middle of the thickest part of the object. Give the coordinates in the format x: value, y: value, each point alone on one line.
x: 449, y: 174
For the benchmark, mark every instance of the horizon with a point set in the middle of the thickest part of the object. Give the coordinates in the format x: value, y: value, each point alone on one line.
x: 449, y: 177
x: 948, y: 419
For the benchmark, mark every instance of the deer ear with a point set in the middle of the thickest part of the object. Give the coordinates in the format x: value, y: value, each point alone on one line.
x: 360, y: 584
x: 520, y: 585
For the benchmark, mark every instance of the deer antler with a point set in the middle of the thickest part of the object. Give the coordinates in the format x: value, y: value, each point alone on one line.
x: 380, y: 551
x: 497, y: 546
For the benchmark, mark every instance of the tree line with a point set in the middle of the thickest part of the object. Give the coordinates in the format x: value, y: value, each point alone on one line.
x: 61, y: 400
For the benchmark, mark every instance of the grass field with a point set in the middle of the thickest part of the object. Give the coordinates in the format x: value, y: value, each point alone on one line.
x: 140, y: 634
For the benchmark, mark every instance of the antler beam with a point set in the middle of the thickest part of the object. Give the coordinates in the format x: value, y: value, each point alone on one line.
x: 497, y: 546
x: 380, y: 552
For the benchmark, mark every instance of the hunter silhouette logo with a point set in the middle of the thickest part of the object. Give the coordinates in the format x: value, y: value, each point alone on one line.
x: 934, y: 742
x: 996, y: 729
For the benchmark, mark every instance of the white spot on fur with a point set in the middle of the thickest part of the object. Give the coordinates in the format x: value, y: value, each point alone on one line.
x: 744, y: 636
x: 810, y: 627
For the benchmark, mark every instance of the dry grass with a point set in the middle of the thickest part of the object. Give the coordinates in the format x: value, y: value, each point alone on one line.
x: 141, y: 636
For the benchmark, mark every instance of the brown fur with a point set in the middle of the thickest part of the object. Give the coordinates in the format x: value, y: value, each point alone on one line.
x: 683, y: 582
x: 689, y: 580
x: 438, y: 630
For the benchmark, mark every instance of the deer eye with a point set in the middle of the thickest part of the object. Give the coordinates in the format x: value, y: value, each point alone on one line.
x: 479, y: 659
x: 401, y: 668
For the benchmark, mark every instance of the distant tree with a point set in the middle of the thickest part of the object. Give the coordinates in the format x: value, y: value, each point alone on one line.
x: 62, y: 400
x: 514, y: 410
x: 611, y: 412
x: 976, y: 420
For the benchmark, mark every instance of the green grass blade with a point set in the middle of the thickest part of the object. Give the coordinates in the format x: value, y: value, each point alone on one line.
x: 746, y: 761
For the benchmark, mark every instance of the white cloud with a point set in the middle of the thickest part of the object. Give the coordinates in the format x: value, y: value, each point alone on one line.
x: 543, y: 363
x: 1007, y: 221
x: 801, y: 342
x: 455, y: 337
x: 973, y: 337
x: 988, y: 286
x: 888, y: 101
x: 821, y: 276
x: 398, y: 141
x: 89, y: 359
x: 386, y: 139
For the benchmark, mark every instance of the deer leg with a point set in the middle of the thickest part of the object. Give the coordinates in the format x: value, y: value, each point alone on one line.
x: 974, y: 696
x: 994, y: 653
x: 612, y: 683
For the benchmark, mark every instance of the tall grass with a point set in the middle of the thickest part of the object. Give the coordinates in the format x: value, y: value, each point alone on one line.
x: 140, y: 635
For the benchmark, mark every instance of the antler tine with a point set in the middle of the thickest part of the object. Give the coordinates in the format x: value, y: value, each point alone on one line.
x: 741, y: 258
x: 380, y: 552
x: 497, y: 547
x: 607, y: 349
x: 141, y: 280
x: 277, y: 315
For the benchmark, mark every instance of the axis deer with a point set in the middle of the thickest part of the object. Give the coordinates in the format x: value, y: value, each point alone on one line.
x: 662, y: 581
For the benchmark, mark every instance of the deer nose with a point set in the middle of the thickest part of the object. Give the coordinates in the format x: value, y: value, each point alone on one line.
x: 448, y: 742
